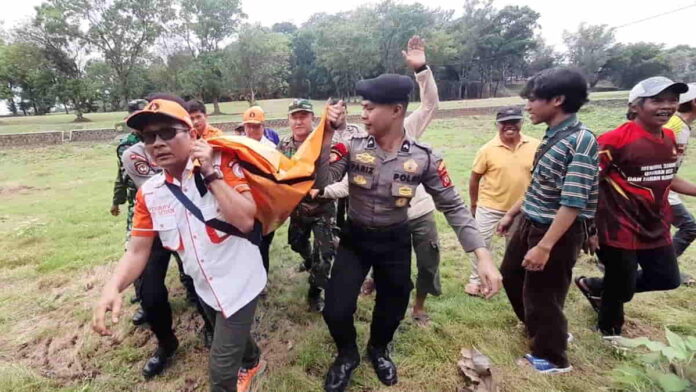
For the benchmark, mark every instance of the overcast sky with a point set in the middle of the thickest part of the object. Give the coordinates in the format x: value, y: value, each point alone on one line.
x: 556, y: 16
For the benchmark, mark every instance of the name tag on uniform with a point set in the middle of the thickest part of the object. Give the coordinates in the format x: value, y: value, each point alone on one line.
x: 365, y: 158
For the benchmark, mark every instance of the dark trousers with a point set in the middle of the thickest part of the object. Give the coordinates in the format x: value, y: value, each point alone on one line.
x: 388, y: 252
x: 265, y: 249
x: 659, y: 271
x: 537, y: 297
x: 233, y: 347
x: 341, y: 211
x: 686, y: 225
x: 155, y: 297
x: 317, y: 254
x: 426, y: 246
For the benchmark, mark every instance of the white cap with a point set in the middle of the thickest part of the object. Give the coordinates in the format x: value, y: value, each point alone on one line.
x: 650, y: 87
x: 690, y: 95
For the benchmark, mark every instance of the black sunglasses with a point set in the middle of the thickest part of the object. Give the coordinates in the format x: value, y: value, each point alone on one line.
x: 164, y: 134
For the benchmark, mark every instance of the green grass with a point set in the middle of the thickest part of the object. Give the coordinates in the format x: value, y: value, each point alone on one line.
x: 58, y: 244
x: 232, y: 111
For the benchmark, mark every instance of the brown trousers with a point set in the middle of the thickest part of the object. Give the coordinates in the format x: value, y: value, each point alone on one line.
x: 537, y: 297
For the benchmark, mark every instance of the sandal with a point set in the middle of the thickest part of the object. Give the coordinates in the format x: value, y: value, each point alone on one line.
x: 422, y: 320
x: 595, y: 302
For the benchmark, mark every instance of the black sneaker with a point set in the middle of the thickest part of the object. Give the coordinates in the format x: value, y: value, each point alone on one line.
x: 383, y: 365
x: 340, y: 372
x: 160, y: 359
x: 315, y: 300
x: 139, y: 317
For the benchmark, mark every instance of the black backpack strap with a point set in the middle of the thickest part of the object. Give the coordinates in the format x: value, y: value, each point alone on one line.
x: 253, y: 236
x: 552, y: 141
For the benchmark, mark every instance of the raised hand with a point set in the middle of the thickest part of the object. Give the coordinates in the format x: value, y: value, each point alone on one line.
x: 414, y: 55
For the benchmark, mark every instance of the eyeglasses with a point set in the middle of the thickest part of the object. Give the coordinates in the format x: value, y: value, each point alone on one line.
x: 164, y: 134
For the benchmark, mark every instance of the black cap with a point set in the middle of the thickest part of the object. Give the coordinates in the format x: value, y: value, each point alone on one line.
x: 509, y: 113
x: 386, y: 88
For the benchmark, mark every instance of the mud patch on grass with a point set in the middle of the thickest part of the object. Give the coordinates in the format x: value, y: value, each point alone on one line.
x: 12, y: 190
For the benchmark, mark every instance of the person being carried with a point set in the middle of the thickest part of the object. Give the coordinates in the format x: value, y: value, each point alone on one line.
x: 557, y: 210
x: 223, y: 260
x: 501, y: 172
x: 638, y: 163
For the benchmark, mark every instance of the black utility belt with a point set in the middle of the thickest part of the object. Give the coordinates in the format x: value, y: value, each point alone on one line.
x: 359, y: 227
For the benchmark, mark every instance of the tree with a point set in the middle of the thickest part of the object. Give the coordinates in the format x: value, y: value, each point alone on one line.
x: 121, y: 30
x: 345, y: 47
x: 682, y: 61
x: 634, y: 62
x: 541, y: 57
x: 66, y: 56
x: 29, y: 75
x: 284, y: 28
x: 205, y: 24
x: 589, y: 48
x: 258, y: 62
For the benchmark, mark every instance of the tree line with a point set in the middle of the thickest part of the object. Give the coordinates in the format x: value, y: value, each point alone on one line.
x: 96, y: 55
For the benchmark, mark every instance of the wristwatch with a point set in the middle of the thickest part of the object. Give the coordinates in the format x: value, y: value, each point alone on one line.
x: 215, y: 175
x: 423, y: 68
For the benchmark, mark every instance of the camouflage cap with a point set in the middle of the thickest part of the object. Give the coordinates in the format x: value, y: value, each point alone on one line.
x: 300, y: 105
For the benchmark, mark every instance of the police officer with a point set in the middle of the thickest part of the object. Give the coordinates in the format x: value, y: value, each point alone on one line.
x: 124, y: 191
x: 315, y: 217
x: 384, y: 169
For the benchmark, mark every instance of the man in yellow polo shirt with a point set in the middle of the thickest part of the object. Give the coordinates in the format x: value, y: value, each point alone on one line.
x: 499, y: 178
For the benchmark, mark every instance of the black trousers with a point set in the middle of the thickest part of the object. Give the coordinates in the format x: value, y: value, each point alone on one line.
x: 265, y: 248
x: 155, y: 297
x: 538, y: 297
x: 388, y: 252
x: 622, y: 279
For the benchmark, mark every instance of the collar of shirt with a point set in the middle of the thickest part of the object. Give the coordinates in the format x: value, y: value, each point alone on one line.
x: 404, y: 149
x: 188, y: 171
x: 523, y: 139
x: 568, y: 122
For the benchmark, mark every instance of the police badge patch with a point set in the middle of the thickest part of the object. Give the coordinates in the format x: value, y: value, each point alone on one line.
x: 236, y: 169
x: 444, y: 175
x: 141, y: 167
x: 411, y: 166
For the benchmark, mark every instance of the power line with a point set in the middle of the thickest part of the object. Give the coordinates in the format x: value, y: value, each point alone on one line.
x: 654, y: 16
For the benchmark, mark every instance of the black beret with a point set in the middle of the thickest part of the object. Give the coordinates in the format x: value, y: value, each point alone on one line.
x: 386, y: 88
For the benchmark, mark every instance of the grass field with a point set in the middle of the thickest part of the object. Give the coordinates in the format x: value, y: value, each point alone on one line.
x: 58, y: 244
x: 275, y: 108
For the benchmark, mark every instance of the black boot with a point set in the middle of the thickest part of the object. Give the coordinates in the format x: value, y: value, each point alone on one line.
x: 315, y: 300
x: 384, y: 366
x: 338, y: 377
x: 207, y: 337
x: 139, y: 317
x: 160, y: 359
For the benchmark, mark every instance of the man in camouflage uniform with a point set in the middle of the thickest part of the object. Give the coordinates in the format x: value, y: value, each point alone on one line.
x: 124, y: 189
x: 315, y: 217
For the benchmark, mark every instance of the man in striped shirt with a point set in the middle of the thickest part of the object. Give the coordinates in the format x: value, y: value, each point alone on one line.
x: 561, y: 199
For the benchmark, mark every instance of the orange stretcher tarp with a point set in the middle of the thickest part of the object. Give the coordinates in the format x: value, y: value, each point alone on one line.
x: 277, y: 183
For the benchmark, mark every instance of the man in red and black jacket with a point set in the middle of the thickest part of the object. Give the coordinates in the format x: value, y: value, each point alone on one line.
x: 638, y: 164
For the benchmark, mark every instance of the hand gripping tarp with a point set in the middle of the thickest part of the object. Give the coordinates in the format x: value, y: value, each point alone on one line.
x: 277, y: 183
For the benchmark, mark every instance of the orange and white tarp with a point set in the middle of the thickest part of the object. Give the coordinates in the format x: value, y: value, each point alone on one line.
x: 277, y: 183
